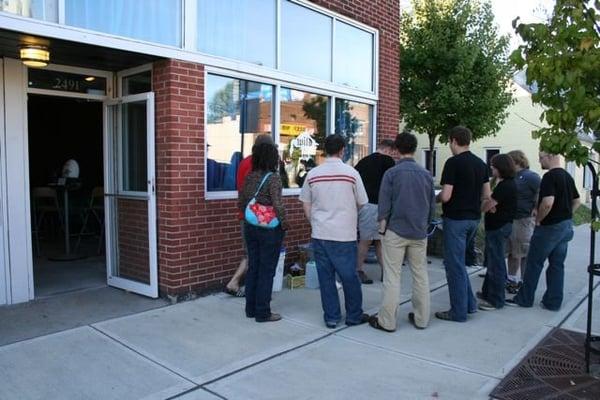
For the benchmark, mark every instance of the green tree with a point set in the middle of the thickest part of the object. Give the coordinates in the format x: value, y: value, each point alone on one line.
x: 454, y: 69
x: 562, y: 58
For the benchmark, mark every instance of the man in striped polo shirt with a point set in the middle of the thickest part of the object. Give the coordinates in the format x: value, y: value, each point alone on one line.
x: 331, y: 195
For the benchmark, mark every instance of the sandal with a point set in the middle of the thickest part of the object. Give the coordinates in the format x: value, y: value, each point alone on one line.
x: 234, y: 293
x: 374, y: 322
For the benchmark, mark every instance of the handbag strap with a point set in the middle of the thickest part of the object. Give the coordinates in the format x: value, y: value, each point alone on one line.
x: 262, y: 183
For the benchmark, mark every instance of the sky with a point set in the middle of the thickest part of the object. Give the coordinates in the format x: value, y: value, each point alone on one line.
x: 507, y: 10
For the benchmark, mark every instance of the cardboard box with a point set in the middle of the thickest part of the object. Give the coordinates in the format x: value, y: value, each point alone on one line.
x: 295, y: 282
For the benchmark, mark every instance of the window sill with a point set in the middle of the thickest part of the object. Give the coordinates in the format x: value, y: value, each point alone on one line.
x: 231, y: 195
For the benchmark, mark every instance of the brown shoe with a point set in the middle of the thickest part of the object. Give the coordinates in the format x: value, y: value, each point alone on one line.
x: 411, y: 319
x: 271, y: 318
x: 364, y: 279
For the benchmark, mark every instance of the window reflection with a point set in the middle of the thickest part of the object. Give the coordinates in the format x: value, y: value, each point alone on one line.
x: 152, y: 20
x: 302, y: 132
x: 305, y: 41
x: 353, y: 56
x: 237, y: 112
x: 46, y: 10
x: 353, y: 121
x: 239, y: 29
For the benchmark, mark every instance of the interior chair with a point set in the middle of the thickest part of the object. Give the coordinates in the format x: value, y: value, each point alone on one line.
x: 44, y: 203
x: 93, y: 213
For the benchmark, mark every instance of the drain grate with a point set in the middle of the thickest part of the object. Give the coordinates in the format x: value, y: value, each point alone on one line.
x: 553, y: 370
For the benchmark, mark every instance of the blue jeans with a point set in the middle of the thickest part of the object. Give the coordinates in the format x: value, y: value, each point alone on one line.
x: 334, y: 257
x: 457, y: 233
x: 495, y: 262
x: 548, y: 242
x: 263, y: 247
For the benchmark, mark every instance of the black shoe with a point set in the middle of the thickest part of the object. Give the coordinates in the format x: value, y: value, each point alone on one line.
x: 331, y: 325
x: 411, y: 319
x: 374, y: 322
x: 271, y: 318
x: 445, y: 315
x: 364, y: 318
x: 364, y: 279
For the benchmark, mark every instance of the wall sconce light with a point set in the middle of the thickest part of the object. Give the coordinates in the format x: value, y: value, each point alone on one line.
x: 35, y: 56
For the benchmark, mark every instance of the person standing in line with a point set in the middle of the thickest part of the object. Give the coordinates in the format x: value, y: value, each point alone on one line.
x: 500, y: 210
x: 233, y: 287
x: 331, y: 196
x: 465, y: 183
x: 550, y: 240
x: 528, y: 187
x: 406, y: 207
x: 371, y: 169
x: 263, y: 244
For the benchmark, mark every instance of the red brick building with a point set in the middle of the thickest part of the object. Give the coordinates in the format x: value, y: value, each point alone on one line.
x: 179, y: 106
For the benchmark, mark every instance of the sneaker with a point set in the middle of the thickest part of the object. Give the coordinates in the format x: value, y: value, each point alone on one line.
x: 331, y: 325
x: 511, y: 302
x: 364, y: 279
x: 485, y: 306
x: 513, y: 287
x: 364, y: 318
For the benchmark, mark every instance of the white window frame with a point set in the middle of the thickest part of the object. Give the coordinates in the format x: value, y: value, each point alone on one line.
x: 276, y: 118
x: 424, y: 159
x: 188, y: 53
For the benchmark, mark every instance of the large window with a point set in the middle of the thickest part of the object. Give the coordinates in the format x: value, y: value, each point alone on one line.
x: 302, y: 132
x: 353, y: 57
x: 46, y: 10
x: 237, y: 111
x: 353, y: 121
x: 239, y: 29
x: 305, y: 41
x: 157, y: 21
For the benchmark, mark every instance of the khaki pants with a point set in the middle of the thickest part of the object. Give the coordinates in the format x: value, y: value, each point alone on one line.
x: 394, y: 249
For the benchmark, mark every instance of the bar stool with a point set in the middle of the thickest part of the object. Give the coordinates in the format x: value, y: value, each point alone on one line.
x: 95, y: 209
x: 44, y: 202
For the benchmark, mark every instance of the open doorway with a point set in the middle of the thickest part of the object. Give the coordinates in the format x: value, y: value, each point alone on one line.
x: 66, y: 189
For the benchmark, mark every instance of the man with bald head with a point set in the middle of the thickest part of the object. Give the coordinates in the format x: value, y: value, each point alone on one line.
x: 558, y: 198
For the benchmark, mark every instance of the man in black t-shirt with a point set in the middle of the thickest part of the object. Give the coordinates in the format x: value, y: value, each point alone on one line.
x: 465, y: 182
x: 558, y: 199
x: 371, y: 169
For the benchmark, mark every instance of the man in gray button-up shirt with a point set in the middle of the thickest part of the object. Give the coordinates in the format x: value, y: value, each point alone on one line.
x: 406, y: 207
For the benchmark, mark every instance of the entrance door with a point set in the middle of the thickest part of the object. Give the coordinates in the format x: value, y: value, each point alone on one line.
x: 130, y: 200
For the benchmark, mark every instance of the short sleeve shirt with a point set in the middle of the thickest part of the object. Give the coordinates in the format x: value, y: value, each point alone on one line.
x: 335, y: 192
x: 528, y: 186
x: 505, y: 194
x: 371, y: 169
x: 466, y: 173
x: 558, y: 183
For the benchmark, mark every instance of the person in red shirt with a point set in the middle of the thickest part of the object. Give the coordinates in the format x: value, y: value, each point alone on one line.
x: 233, y: 287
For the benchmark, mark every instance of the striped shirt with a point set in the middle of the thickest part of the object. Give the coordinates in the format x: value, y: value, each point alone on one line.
x: 335, y: 192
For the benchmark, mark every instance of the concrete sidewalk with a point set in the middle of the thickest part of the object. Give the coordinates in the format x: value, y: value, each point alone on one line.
x: 207, y: 349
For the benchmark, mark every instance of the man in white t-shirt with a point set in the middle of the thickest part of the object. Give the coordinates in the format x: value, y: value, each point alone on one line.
x: 331, y: 195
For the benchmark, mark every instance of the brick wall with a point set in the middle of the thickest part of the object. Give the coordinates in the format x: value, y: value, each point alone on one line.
x: 134, y: 255
x: 199, y: 241
x: 383, y: 15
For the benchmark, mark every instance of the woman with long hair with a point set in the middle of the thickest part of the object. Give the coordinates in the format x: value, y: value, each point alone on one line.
x: 500, y: 210
x: 263, y: 185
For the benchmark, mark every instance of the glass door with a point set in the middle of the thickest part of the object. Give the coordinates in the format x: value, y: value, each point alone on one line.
x: 130, y: 198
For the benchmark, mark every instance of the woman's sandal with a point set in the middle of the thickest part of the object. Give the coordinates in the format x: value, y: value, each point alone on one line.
x: 234, y: 293
x: 374, y: 322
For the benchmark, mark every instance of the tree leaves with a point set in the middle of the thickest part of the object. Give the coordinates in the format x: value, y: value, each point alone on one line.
x: 454, y: 68
x: 563, y: 58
